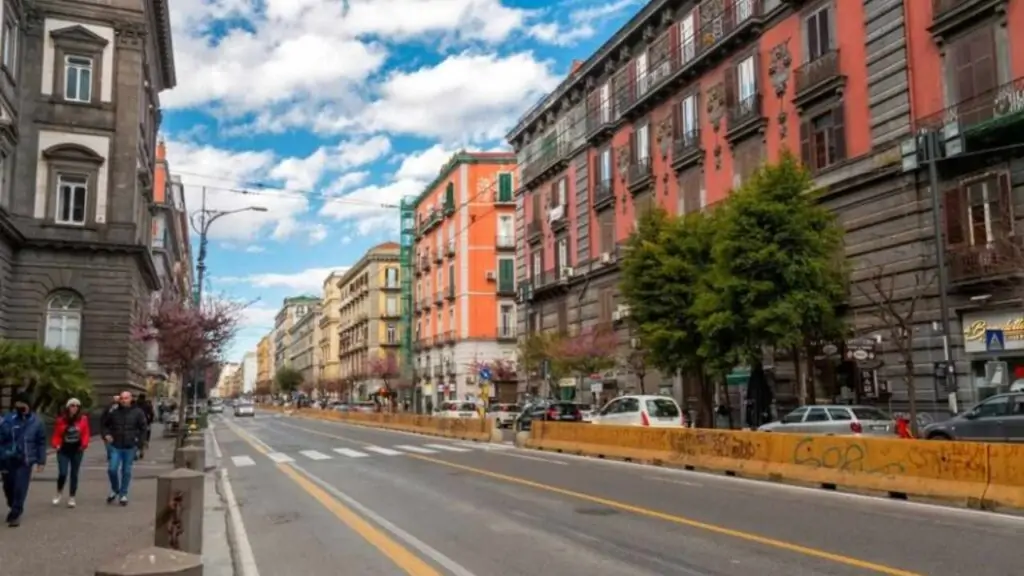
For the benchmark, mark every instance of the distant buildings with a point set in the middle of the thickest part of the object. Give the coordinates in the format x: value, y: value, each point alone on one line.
x: 250, y: 372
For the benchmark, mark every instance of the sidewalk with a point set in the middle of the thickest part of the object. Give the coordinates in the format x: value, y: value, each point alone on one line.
x: 62, y: 542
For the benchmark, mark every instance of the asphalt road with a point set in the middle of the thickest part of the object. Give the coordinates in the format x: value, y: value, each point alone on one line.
x: 317, y: 497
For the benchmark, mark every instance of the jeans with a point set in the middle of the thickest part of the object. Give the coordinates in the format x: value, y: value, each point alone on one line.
x: 68, y: 463
x: 16, y: 478
x: 119, y: 469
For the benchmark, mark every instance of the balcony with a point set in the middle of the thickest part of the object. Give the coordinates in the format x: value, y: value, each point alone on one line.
x: 417, y: 307
x: 418, y: 343
x: 746, y: 119
x: 439, y: 256
x: 391, y: 286
x: 604, y: 195
x: 439, y: 297
x: 558, y: 218
x: 552, y: 158
x: 425, y: 303
x: 506, y: 333
x: 600, y: 118
x: 448, y: 337
x: 500, y: 199
x: 390, y: 314
x: 818, y: 80
x: 425, y: 261
x: 506, y: 287
x: 432, y: 219
x: 361, y: 317
x: 449, y: 294
x: 393, y: 342
x: 990, y: 120
x: 550, y: 282
x: 639, y: 175
x: 450, y: 249
x: 505, y: 242
x: 449, y: 368
x: 999, y: 260
x: 449, y: 209
x: 534, y: 230
x: 687, y: 150
x: 952, y: 16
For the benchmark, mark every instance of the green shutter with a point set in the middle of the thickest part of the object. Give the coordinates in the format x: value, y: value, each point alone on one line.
x: 451, y: 280
x: 506, y: 275
x: 449, y: 196
x: 504, y: 187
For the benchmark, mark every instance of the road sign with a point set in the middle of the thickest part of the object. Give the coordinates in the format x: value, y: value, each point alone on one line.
x: 485, y: 374
x: 995, y: 340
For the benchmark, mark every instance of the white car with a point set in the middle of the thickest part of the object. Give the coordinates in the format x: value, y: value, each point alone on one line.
x: 245, y: 410
x: 641, y: 410
x: 503, y: 414
x: 457, y: 410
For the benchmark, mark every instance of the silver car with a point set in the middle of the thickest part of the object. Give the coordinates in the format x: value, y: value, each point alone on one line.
x: 998, y: 418
x: 835, y: 419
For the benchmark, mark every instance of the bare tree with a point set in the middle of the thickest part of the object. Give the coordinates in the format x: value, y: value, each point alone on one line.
x: 895, y: 310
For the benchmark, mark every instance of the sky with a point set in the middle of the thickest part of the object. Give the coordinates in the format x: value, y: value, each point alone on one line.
x: 327, y: 112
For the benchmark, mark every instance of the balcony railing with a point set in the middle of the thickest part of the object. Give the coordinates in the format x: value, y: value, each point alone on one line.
x: 558, y: 217
x: 603, y: 194
x: 506, y: 332
x: 551, y: 153
x: 432, y: 219
x: 743, y: 116
x: 998, y: 112
x: 686, y: 148
x: 506, y: 287
x: 425, y: 261
x: 505, y: 241
x: 450, y: 249
x: 438, y: 256
x: 450, y: 293
x: 439, y: 297
x: 534, y: 229
x: 1003, y: 257
x: 639, y: 173
x: 448, y: 337
x: 819, y: 70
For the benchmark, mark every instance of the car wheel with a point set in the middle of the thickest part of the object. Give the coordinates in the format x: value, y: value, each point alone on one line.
x: 939, y: 436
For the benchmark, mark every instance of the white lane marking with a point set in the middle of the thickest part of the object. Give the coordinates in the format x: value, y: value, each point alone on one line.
x: 484, y: 446
x: 673, y: 481
x: 534, y: 458
x: 242, y: 461
x: 314, y: 455
x: 280, y: 458
x: 416, y: 449
x: 351, y: 453
x: 447, y: 447
x: 431, y: 553
x: 384, y: 451
x: 246, y: 560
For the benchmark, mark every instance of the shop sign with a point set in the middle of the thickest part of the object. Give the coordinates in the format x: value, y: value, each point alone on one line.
x: 976, y: 326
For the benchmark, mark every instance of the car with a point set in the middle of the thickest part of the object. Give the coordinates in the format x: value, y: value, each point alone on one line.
x: 547, y: 411
x: 242, y: 409
x: 641, y: 410
x: 998, y: 418
x: 503, y: 414
x: 456, y: 409
x: 835, y: 420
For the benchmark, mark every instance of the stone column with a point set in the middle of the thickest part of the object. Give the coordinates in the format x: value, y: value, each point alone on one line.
x: 154, y: 562
x: 191, y: 457
x: 179, y: 510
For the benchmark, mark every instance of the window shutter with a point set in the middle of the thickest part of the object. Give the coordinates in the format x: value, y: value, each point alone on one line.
x: 449, y: 195
x: 553, y: 198
x: 805, y: 144
x: 673, y: 46
x: 504, y: 187
x: 731, y: 90
x: 839, y: 132
x: 955, y: 211
x: 756, y: 57
x: 677, y: 120
x: 536, y: 206
x: 633, y: 154
x: 1005, y: 203
x: 505, y: 272
x: 565, y: 188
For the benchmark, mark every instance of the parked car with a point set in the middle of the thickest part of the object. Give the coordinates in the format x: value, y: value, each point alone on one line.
x: 586, y: 411
x: 998, y: 418
x: 641, y: 410
x: 245, y: 409
x: 503, y: 414
x: 835, y: 420
x: 547, y: 411
x: 456, y: 410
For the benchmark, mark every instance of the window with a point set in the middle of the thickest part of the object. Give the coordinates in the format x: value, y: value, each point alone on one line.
x: 687, y: 38
x: 505, y: 187
x: 159, y: 232
x: 506, y: 321
x: 507, y: 274
x: 449, y: 196
x: 563, y: 255
x: 817, y: 415
x: 979, y: 211
x: 561, y: 193
x: 643, y: 143
x: 606, y: 304
x: 972, y: 73
x: 607, y: 238
x: 823, y: 139
x: 993, y: 407
x: 506, y: 230
x: 392, y: 333
x: 744, y: 9
x: 818, y: 30
x: 451, y: 317
x: 642, y: 81
x: 72, y: 191
x: 10, y: 44
x: 78, y: 79
x: 606, y: 165
x: 537, y: 263
x: 688, y: 118
x: 451, y: 279
x: 606, y: 103
x: 746, y: 81
x: 391, y: 306
x: 64, y: 323
x: 535, y: 202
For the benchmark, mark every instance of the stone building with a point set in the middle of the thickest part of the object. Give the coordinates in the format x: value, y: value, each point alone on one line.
x: 79, y: 115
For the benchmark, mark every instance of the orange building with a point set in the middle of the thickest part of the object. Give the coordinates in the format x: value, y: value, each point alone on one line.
x: 689, y: 98
x: 464, y: 287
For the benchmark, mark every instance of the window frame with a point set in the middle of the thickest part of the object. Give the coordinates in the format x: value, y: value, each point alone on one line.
x: 72, y: 308
x: 10, y: 47
x: 74, y: 179
x: 808, y: 136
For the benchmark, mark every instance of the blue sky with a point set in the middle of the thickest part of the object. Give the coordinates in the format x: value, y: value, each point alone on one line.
x: 321, y: 111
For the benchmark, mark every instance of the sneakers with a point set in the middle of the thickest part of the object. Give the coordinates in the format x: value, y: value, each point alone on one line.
x: 123, y: 501
x: 71, y: 502
x: 111, y: 497
x: 14, y: 522
x: 56, y: 499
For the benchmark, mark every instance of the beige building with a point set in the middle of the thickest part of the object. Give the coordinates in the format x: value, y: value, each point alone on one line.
x: 292, y: 310
x: 370, y: 313
x: 329, y: 324
x: 303, y: 349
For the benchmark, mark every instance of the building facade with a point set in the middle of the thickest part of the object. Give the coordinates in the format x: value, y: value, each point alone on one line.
x: 292, y: 310
x: 265, y: 362
x: 224, y: 380
x: 79, y: 115
x: 303, y: 350
x: 330, y: 324
x: 369, y: 316
x: 250, y: 371
x: 688, y: 98
x: 464, y: 288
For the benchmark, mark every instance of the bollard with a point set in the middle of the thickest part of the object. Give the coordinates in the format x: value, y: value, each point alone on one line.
x: 195, y: 439
x: 521, y: 438
x: 179, y: 511
x: 191, y: 457
x: 154, y: 562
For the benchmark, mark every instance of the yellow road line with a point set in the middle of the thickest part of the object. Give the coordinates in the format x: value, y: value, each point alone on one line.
x: 713, y: 528
x: 398, y: 554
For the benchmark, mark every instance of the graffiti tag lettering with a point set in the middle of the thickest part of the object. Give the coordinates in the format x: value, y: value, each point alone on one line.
x: 712, y: 444
x: 849, y: 457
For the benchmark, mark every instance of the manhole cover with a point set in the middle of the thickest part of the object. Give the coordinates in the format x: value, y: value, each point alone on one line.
x: 596, y: 511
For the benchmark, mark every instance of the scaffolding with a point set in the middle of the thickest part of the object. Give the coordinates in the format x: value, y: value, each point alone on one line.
x: 408, y: 239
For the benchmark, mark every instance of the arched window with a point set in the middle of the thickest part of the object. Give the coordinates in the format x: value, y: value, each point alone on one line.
x: 64, y: 322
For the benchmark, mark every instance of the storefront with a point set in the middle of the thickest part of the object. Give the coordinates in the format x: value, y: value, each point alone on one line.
x: 994, y: 343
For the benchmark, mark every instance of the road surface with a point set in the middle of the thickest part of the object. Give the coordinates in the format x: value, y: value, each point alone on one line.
x: 322, y: 497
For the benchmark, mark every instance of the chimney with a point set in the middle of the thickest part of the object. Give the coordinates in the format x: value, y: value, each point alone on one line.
x: 576, y: 65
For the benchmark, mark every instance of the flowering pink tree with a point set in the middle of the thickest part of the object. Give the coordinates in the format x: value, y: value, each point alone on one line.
x: 502, y: 370
x: 385, y: 368
x: 590, y: 351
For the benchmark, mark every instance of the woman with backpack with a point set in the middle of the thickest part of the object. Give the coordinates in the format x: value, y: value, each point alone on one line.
x: 70, y: 439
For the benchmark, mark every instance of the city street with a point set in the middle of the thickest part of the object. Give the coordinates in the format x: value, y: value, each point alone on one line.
x: 316, y: 497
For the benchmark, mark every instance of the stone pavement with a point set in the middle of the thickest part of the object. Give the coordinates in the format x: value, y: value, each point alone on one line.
x: 59, y: 541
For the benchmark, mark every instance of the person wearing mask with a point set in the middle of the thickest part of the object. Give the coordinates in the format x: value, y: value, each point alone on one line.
x: 123, y: 430
x: 70, y: 439
x: 147, y: 408
x: 22, y: 446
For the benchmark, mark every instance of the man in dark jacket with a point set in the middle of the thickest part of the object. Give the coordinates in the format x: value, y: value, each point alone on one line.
x: 22, y: 446
x: 147, y: 408
x: 124, y: 428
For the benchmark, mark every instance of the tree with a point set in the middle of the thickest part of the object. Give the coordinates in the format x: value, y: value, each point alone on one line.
x: 51, y: 376
x: 288, y: 379
x: 188, y: 336
x: 636, y: 362
x: 589, y: 352
x: 895, y: 310
x: 386, y: 369
x: 502, y: 369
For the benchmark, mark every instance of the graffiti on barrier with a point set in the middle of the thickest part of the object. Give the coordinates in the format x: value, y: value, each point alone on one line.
x: 956, y: 460
x: 846, y: 457
x: 696, y: 443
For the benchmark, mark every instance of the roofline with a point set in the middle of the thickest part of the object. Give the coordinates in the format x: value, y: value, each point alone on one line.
x: 459, y: 158
x: 388, y: 254
x: 165, y: 44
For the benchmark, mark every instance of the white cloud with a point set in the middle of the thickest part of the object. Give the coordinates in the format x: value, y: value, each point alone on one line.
x: 254, y: 249
x: 347, y: 181
x: 303, y: 174
x: 309, y: 280
x: 317, y: 233
x: 425, y: 164
x: 581, y: 23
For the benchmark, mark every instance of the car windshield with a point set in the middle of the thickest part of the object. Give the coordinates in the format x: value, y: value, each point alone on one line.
x: 564, y: 408
x: 662, y: 408
x: 868, y: 413
x: 465, y: 407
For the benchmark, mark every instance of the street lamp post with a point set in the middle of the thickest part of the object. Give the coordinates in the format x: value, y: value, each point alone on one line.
x: 201, y: 221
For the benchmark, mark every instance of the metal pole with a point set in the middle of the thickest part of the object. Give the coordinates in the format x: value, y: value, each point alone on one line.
x: 196, y: 300
x: 940, y: 259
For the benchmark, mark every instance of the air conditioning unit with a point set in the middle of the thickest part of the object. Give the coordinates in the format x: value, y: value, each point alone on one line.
x: 606, y: 257
x: 567, y: 272
x: 491, y: 276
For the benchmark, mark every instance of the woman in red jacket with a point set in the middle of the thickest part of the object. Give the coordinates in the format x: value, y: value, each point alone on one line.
x: 70, y: 439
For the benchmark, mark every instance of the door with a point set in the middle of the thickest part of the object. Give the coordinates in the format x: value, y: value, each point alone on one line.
x: 642, y: 81
x: 506, y: 231
x: 1014, y: 423
x: 746, y: 83
x: 687, y: 39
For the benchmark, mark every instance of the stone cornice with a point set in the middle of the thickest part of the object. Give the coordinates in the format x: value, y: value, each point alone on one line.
x: 165, y: 44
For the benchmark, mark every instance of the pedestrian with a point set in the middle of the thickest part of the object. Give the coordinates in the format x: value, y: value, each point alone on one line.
x: 70, y: 440
x: 147, y: 408
x: 22, y: 446
x: 123, y: 430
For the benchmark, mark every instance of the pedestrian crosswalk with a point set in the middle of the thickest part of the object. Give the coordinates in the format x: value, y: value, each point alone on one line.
x: 370, y: 451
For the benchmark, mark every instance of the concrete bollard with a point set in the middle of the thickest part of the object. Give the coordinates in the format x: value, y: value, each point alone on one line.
x: 179, y: 511
x: 195, y: 439
x: 154, y: 562
x: 191, y: 457
x: 496, y: 436
x: 521, y: 438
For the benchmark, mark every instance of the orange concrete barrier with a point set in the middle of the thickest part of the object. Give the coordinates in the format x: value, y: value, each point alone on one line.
x: 975, y: 474
x: 479, y: 429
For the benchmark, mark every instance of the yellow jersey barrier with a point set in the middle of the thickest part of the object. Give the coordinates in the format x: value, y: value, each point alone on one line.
x: 478, y: 429
x: 975, y: 474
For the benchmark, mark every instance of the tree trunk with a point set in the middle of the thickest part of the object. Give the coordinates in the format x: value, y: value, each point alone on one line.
x: 812, y: 386
x: 727, y: 402
x: 908, y: 367
x: 798, y: 375
x: 640, y: 381
x: 705, y: 398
